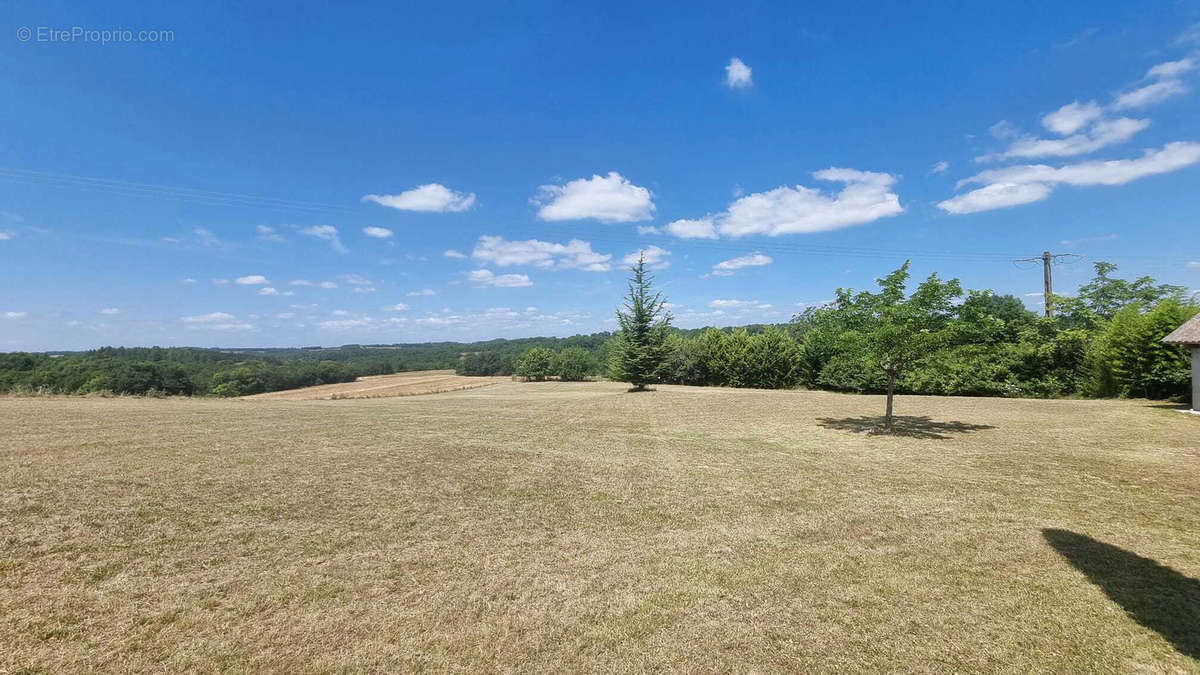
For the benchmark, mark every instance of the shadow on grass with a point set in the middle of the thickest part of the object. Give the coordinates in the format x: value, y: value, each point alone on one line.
x: 1154, y: 595
x: 902, y: 425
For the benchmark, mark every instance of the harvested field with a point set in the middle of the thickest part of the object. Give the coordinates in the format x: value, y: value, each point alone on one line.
x: 384, y: 386
x: 574, y: 527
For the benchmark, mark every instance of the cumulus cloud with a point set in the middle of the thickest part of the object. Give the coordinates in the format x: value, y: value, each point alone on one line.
x: 489, y: 278
x: 866, y: 197
x: 738, y: 75
x: 188, y: 281
x: 648, y: 229
x: 422, y: 292
x: 1166, y: 86
x: 377, y: 232
x: 608, y: 199
x: 213, y: 318
x: 268, y: 233
x: 356, y: 280
x: 267, y: 290
x: 1101, y: 134
x: 940, y: 167
x: 5, y: 235
x: 206, y: 238
x: 1153, y: 93
x: 398, y: 307
x: 1072, y: 117
x: 1172, y: 69
x: 575, y: 254
x: 110, y: 311
x: 699, y: 228
x: 327, y: 284
x: 430, y: 198
x: 729, y: 267
x: 1027, y: 183
x: 16, y: 315
x: 253, y: 280
x: 327, y: 233
x: 454, y: 255
x: 997, y: 196
x: 656, y: 257
x: 300, y: 282
x: 216, y: 282
x: 738, y: 304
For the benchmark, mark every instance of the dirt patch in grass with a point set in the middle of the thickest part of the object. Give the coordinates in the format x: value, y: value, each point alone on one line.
x: 570, y: 526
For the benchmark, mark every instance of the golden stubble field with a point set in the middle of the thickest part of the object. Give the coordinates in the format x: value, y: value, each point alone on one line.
x: 571, y: 527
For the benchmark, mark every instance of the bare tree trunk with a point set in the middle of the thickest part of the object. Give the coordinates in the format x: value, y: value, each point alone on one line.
x: 887, y: 419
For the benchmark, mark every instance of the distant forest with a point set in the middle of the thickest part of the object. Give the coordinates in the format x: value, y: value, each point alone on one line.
x: 1102, y: 342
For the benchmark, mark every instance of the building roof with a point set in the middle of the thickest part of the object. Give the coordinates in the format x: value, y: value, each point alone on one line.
x: 1187, y: 334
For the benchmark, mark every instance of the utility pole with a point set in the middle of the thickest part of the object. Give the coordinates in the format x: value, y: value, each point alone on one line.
x: 1047, y: 283
x: 1047, y: 259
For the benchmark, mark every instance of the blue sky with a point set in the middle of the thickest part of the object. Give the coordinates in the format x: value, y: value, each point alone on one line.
x: 281, y: 175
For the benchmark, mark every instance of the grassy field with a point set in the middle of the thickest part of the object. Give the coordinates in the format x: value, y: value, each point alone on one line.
x: 384, y: 386
x: 555, y: 526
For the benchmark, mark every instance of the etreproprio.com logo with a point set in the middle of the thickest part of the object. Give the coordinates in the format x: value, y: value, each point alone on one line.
x: 99, y: 36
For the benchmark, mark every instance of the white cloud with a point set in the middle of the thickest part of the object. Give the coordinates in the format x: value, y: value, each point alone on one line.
x: 346, y: 323
x: 327, y: 284
x: 300, y: 282
x: 1072, y: 117
x: 1102, y: 134
x: 1028, y: 183
x: 377, y: 232
x: 738, y: 75
x: 340, y: 312
x: 267, y: 291
x: 5, y: 235
x: 328, y: 233
x: 1172, y: 69
x: 1150, y: 94
x: 16, y: 315
x: 1194, y: 265
x: 188, y: 281
x: 268, y: 233
x: 489, y: 278
x: 431, y: 197
x: 1088, y: 240
x: 206, y: 237
x: 356, y: 280
x: 398, y: 307
x: 609, y: 199
x: 700, y: 228
x: 648, y: 229
x: 656, y: 257
x: 422, y: 292
x: 110, y: 311
x: 456, y: 255
x: 364, y: 289
x: 996, y: 196
x: 285, y: 315
x: 738, y: 304
x: 575, y: 254
x: 218, y: 282
x: 727, y: 268
x: 215, y: 317
x: 253, y: 280
x: 940, y: 167
x: 784, y: 210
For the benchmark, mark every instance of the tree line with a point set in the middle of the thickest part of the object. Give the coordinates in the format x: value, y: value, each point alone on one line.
x: 938, y: 339
x: 1105, y: 341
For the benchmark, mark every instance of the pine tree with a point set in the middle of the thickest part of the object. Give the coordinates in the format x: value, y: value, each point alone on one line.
x: 641, y: 352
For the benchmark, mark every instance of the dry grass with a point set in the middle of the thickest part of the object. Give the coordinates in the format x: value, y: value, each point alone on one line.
x: 385, y: 386
x: 554, y: 526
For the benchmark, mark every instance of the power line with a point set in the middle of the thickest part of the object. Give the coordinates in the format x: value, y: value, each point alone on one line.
x: 1048, y: 260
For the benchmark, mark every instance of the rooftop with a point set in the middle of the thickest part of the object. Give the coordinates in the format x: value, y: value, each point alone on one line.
x: 1187, y: 334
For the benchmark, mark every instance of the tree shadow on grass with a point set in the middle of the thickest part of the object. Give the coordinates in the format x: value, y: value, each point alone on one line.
x: 1154, y: 595
x: 902, y: 425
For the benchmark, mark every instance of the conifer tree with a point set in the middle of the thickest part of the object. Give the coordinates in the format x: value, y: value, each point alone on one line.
x: 641, y: 353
